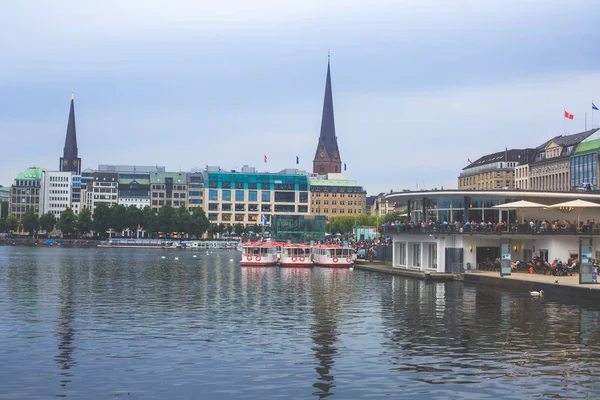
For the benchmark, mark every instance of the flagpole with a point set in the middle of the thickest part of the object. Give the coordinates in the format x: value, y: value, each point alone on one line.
x: 586, y: 121
x: 564, y: 120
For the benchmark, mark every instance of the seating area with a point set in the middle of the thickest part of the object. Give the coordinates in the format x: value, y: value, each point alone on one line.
x: 556, y: 227
x: 537, y: 266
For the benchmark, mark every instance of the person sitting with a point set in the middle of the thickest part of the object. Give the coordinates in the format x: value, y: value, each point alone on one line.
x: 572, y: 266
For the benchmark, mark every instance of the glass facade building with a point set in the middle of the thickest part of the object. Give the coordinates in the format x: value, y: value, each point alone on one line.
x: 584, y: 170
x: 298, y: 228
x: 460, y: 209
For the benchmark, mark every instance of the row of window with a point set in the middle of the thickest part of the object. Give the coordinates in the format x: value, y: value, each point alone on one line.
x: 161, y: 195
x: 336, y: 211
x: 341, y: 195
x: 335, y: 202
x: 59, y: 179
x: 18, y: 191
x: 253, y: 217
x: 174, y: 203
x: 174, y: 187
x: 259, y: 186
x: 59, y: 191
x: 26, y: 183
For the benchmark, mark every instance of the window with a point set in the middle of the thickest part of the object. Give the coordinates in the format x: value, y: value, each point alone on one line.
x: 240, y: 207
x: 239, y: 217
x: 303, y: 209
x: 266, y: 207
x: 303, y: 197
x: 401, y: 253
x: 239, y: 185
x: 226, y: 195
x: 213, y: 195
x: 226, y: 207
x: 213, y: 206
x: 252, y: 195
x: 285, y: 208
x: 212, y: 217
x: 285, y: 197
x: 265, y: 196
x: 239, y: 195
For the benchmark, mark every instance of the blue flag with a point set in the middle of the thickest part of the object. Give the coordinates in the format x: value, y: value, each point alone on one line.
x: 297, y: 160
x: 594, y: 106
x: 344, y: 166
x: 264, y: 219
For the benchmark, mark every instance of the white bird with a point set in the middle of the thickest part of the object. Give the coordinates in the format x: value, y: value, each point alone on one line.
x: 207, y: 253
x: 163, y: 257
x: 540, y: 293
x: 231, y: 260
x: 177, y: 258
x: 194, y: 256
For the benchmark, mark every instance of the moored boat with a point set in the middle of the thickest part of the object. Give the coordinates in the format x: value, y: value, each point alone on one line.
x: 296, y: 255
x: 333, y: 255
x: 259, y: 254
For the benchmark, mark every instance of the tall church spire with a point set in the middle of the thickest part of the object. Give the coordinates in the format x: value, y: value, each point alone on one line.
x: 69, y: 162
x: 327, y: 158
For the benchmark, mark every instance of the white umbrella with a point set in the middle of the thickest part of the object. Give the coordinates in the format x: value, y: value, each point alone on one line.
x: 575, y: 205
x: 520, y: 204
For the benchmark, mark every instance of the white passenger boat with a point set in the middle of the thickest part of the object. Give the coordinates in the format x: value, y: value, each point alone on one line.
x: 259, y: 254
x: 296, y: 255
x: 333, y: 255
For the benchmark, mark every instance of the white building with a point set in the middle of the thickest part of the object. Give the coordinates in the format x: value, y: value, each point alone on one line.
x: 58, y: 192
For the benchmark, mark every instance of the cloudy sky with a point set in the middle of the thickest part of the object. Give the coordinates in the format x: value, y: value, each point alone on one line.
x: 419, y: 86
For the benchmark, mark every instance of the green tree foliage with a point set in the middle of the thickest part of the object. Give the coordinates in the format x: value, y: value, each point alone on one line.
x: 11, y: 223
x: 342, y: 224
x: 118, y: 218
x: 30, y: 222
x: 149, y: 220
x: 101, y: 219
x: 166, y: 219
x: 47, y: 222
x: 238, y: 229
x: 135, y: 217
x: 3, y: 209
x: 183, y: 219
x: 198, y: 222
x: 84, y: 221
x: 67, y: 223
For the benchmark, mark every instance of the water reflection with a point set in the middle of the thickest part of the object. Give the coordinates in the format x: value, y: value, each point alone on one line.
x: 64, y: 329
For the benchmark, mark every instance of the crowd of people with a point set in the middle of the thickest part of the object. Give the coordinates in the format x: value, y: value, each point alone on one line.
x: 533, y: 226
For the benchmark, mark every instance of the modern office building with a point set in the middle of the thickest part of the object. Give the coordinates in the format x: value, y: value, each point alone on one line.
x: 494, y: 171
x: 327, y: 158
x: 584, y: 165
x: 70, y: 161
x: 4, y: 193
x: 168, y: 188
x: 27, y: 193
x: 58, y: 192
x: 251, y: 198
x: 334, y: 194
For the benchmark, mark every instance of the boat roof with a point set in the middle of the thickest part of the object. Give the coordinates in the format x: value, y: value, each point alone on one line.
x: 299, y: 245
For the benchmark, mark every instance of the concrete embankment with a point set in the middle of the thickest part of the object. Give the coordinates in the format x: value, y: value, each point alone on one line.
x: 386, y: 268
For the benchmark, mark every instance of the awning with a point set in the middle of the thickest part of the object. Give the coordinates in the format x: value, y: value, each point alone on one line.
x: 520, y: 204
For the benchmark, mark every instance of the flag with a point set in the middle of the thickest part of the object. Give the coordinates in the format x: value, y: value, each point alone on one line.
x: 265, y: 157
x: 139, y: 227
x: 264, y: 219
x: 594, y: 106
x: 344, y: 166
x: 297, y: 160
x: 469, y: 160
x: 567, y: 115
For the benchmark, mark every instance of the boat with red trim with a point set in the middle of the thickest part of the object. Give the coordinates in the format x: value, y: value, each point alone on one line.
x: 259, y: 254
x: 296, y: 255
x: 333, y: 255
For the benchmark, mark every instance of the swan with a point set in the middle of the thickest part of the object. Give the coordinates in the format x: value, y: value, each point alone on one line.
x: 231, y: 260
x: 177, y: 258
x: 163, y: 257
x: 194, y: 256
x: 540, y: 293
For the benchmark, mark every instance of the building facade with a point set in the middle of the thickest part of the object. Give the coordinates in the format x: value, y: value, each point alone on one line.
x: 251, y: 198
x: 551, y: 169
x: 168, y: 188
x: 327, y: 158
x: 134, y: 189
x: 333, y: 195
x: 105, y: 189
x: 27, y: 193
x: 494, y: 171
x: 58, y: 192
x: 195, y: 190
x: 584, y: 166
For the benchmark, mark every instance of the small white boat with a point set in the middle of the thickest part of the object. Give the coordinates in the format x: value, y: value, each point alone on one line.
x: 259, y: 254
x: 333, y: 255
x: 296, y: 255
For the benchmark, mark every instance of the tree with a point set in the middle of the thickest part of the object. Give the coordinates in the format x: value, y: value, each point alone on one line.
x: 11, y: 223
x: 101, y: 220
x: 198, y: 222
x: 30, y: 222
x: 47, y: 222
x: 221, y: 228
x: 118, y: 218
x: 166, y: 219
x: 149, y: 220
x: 67, y: 222
x: 134, y: 218
x: 238, y: 229
x: 3, y: 209
x: 182, y: 222
x: 84, y: 221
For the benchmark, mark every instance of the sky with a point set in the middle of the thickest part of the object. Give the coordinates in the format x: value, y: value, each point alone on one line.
x: 419, y: 86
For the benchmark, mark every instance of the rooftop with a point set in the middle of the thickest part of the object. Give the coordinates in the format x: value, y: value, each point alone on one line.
x: 30, y: 174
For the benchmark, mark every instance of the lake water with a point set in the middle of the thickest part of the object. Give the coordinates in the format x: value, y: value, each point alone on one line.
x: 105, y: 323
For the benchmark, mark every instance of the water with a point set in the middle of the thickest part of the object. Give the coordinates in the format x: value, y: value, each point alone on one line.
x: 105, y: 323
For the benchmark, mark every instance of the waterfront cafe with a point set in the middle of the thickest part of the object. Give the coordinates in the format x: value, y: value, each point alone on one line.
x: 457, y: 230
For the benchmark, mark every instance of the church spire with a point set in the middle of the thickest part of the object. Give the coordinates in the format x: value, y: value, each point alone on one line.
x: 69, y: 161
x: 327, y: 158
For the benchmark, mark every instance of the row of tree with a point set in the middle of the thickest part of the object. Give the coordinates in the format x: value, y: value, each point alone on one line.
x: 344, y: 224
x: 116, y: 218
